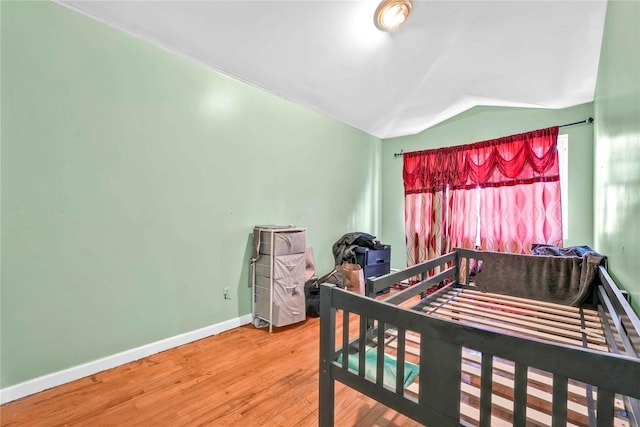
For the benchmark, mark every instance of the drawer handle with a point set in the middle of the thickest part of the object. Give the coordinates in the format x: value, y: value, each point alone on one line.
x: 380, y: 261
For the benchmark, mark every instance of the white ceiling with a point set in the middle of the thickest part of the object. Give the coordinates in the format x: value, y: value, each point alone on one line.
x: 329, y: 56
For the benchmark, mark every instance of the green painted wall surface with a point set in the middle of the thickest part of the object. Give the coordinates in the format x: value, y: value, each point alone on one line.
x: 131, y: 181
x: 480, y: 124
x: 617, y: 146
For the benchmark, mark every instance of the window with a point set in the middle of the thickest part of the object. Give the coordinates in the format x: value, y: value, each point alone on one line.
x: 563, y: 165
x: 502, y: 195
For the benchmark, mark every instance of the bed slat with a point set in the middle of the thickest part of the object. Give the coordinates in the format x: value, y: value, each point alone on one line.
x: 543, y: 396
x: 527, y: 320
x: 590, y: 315
x: 572, y: 320
x: 497, y: 312
x: 451, y: 314
x: 473, y: 414
x: 534, y: 416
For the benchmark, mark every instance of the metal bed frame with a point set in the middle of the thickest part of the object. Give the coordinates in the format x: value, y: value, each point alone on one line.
x: 610, y: 379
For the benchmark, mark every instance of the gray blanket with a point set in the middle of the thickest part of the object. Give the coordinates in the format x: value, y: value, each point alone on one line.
x: 563, y: 280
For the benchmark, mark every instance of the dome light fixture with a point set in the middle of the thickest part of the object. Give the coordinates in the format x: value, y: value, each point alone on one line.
x: 390, y: 14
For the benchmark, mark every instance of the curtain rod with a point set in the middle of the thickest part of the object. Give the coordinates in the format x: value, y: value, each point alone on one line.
x: 588, y: 121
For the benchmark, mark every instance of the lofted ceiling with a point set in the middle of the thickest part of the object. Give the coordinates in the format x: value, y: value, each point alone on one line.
x: 329, y: 56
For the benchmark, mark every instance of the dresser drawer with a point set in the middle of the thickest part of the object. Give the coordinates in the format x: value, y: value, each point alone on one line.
x: 283, y: 265
x: 366, y: 256
x: 284, y: 242
x: 292, y: 310
x: 283, y: 287
x: 288, y: 310
x: 376, y: 270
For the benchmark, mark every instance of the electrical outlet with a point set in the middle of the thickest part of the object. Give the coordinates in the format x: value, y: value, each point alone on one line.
x: 226, y: 292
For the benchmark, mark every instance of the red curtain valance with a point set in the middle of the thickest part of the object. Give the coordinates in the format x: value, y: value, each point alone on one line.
x: 510, y: 160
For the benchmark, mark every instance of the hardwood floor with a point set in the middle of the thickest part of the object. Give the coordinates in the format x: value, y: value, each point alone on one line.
x: 242, y: 377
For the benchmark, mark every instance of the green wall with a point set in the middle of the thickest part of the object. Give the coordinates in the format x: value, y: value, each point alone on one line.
x: 617, y: 146
x: 479, y: 124
x: 131, y: 181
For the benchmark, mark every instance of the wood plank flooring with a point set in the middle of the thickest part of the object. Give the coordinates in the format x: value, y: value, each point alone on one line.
x: 242, y: 377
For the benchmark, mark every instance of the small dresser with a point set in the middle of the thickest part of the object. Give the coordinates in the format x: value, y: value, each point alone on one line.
x: 278, y: 286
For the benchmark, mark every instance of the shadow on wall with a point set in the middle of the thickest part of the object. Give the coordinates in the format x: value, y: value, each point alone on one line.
x: 367, y: 213
x: 244, y: 291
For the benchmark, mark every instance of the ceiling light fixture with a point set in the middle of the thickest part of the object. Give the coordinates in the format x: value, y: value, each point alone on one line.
x: 390, y: 14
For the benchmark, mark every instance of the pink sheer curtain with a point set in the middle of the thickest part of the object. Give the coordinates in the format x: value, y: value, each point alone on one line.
x: 513, y: 218
x: 516, y: 179
x: 425, y: 225
x: 425, y: 213
x: 464, y: 218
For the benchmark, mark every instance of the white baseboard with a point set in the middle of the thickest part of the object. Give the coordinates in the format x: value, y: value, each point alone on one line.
x: 44, y: 382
